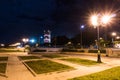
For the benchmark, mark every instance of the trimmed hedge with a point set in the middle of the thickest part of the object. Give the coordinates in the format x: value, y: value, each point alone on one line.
x: 96, y: 51
x: 81, y: 51
x: 39, y: 50
x: 69, y: 50
x: 72, y: 50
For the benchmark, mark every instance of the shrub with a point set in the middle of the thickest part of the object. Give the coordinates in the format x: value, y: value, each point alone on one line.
x: 96, y: 51
x: 81, y: 51
x: 69, y: 50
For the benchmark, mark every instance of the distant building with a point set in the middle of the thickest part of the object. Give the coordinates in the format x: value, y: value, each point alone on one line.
x: 47, y: 37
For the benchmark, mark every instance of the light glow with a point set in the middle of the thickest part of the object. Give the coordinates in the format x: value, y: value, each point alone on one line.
x: 114, y: 34
x: 107, y: 18
x: 25, y: 40
x: 32, y: 40
x: 117, y: 37
x: 94, y: 20
x: 82, y: 26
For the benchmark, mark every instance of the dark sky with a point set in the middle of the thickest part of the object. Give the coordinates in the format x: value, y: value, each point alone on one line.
x: 25, y: 18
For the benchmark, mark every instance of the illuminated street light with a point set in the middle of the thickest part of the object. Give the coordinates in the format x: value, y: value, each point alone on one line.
x: 25, y: 40
x: 2, y: 45
x: 107, y: 18
x: 81, y: 27
x: 94, y: 20
x: 113, y: 34
x: 32, y: 40
x: 98, y: 20
x: 118, y: 37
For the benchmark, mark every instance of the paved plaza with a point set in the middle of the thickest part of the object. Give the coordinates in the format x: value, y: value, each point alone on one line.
x: 16, y: 70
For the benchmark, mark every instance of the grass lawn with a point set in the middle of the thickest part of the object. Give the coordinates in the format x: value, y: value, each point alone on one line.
x: 52, y: 55
x: 3, y: 58
x: 10, y: 50
x: 81, y: 61
x: 3, y: 67
x: 110, y: 74
x: 46, y: 66
x: 28, y: 57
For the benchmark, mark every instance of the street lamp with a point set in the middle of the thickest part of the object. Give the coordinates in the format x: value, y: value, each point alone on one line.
x: 25, y: 40
x: 94, y: 21
x: 118, y: 37
x: 113, y: 35
x: 32, y: 40
x: 98, y: 20
x: 81, y: 27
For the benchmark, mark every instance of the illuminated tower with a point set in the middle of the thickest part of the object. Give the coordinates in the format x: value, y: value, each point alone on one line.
x: 47, y: 37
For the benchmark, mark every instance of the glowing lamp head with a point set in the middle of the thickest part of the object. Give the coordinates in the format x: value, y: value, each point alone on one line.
x: 32, y: 40
x: 82, y: 26
x: 117, y: 37
x: 114, y: 34
x: 105, y: 19
x: 94, y: 20
x: 25, y: 40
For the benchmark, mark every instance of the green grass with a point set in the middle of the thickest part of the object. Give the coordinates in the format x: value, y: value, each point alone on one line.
x: 52, y: 55
x: 28, y: 57
x: 3, y: 67
x: 10, y: 50
x: 46, y: 66
x: 3, y: 58
x: 81, y: 61
x: 110, y: 74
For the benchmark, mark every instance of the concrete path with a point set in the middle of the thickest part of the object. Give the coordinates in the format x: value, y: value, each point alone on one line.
x: 80, y: 70
x: 17, y: 71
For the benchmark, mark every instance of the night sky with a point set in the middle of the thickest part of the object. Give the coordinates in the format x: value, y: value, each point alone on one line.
x: 28, y: 18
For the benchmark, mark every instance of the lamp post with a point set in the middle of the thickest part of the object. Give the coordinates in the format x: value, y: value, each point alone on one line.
x: 25, y: 40
x: 98, y: 20
x: 81, y: 27
x: 113, y: 35
x: 94, y: 21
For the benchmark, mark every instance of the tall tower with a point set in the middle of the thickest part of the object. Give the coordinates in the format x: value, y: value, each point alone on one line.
x: 47, y: 37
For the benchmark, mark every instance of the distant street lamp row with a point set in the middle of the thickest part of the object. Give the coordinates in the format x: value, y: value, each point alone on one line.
x: 25, y: 40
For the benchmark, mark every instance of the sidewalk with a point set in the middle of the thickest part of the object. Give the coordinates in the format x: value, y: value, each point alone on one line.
x: 80, y: 70
x: 17, y: 71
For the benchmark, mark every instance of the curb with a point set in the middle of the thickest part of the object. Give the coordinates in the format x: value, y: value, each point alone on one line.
x: 4, y: 75
x: 33, y: 73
